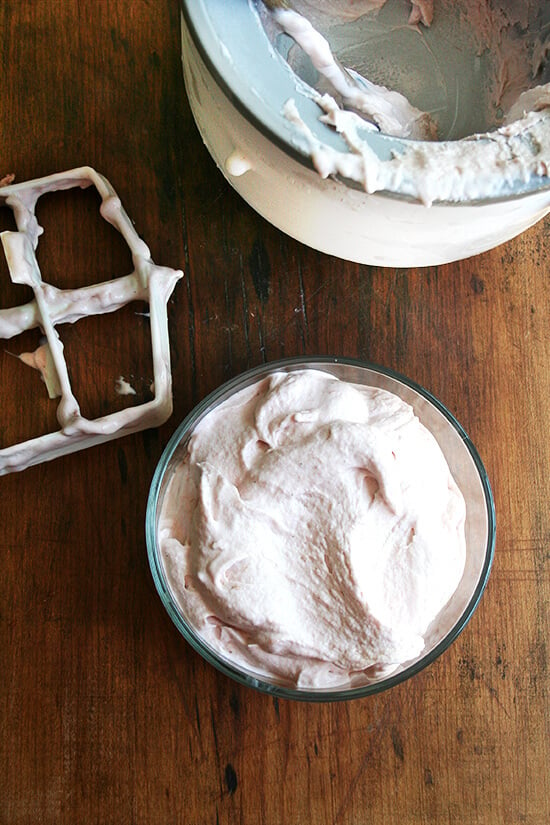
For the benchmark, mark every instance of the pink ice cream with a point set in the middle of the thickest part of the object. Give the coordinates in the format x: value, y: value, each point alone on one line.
x: 313, y: 530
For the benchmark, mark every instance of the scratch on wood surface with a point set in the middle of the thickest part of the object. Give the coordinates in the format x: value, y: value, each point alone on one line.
x: 261, y: 338
x: 216, y: 749
x: 392, y: 288
x: 246, y: 319
x: 326, y: 282
x: 192, y: 718
x: 260, y: 270
x: 375, y: 741
x: 191, y: 336
x: 303, y: 300
x: 470, y: 669
x: 227, y: 329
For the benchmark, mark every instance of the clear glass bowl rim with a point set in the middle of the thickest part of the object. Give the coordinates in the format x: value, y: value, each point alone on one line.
x: 309, y: 695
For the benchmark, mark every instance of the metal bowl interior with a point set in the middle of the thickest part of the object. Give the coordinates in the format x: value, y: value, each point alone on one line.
x: 255, y: 76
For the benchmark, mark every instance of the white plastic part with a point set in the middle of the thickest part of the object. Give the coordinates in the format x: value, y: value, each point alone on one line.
x: 52, y: 306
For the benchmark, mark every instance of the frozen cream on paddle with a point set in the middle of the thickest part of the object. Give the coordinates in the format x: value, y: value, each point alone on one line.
x: 312, y: 531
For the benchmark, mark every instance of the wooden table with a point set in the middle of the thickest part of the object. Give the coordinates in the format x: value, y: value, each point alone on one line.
x: 107, y: 715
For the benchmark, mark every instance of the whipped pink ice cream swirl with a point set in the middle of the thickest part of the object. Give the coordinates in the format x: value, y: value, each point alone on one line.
x: 313, y: 530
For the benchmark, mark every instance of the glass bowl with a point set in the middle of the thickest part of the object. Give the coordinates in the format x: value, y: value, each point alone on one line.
x: 466, y: 468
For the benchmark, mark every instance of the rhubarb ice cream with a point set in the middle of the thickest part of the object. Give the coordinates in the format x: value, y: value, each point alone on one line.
x: 311, y: 530
x: 478, y: 78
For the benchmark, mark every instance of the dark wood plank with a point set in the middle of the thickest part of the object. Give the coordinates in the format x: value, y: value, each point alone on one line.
x: 106, y: 714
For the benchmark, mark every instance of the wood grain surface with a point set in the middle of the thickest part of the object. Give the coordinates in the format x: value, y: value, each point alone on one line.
x: 106, y: 714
